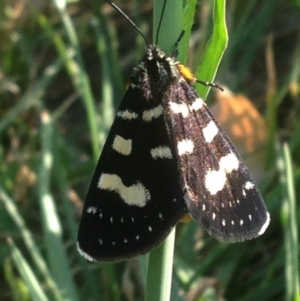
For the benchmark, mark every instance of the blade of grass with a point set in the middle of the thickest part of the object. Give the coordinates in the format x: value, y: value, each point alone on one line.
x: 214, y: 50
x: 111, y: 38
x: 33, y: 96
x: 171, y: 25
x: 188, y: 22
x: 71, y: 56
x: 26, y: 271
x: 30, y: 243
x: 108, y: 111
x: 159, y: 275
x: 161, y: 259
x: 18, y: 289
x: 56, y: 251
x: 289, y: 221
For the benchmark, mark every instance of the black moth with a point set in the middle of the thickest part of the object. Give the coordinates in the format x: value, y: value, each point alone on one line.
x: 166, y: 156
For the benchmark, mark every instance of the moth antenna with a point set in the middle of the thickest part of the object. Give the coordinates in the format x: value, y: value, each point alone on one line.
x: 160, y: 21
x: 118, y: 9
x: 209, y: 84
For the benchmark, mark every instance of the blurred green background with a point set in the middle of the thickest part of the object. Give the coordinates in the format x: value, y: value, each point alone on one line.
x: 63, y: 71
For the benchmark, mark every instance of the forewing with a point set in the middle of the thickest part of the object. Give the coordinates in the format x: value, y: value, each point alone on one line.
x: 134, y: 198
x: 219, y: 191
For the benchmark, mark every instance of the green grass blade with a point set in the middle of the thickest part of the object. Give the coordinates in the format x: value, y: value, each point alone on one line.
x: 30, y: 243
x: 188, y: 22
x: 214, y: 50
x: 71, y: 56
x: 56, y: 251
x: 159, y: 274
x: 26, y: 271
x: 160, y: 265
x: 289, y: 220
x: 107, y: 109
x: 33, y: 96
x: 18, y: 289
x: 171, y: 25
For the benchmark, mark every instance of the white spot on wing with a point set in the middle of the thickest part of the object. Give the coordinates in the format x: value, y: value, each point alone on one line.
x: 161, y: 152
x: 213, y: 216
x: 210, y: 131
x: 148, y: 115
x: 137, y: 237
x: 185, y: 146
x: 179, y: 108
x: 215, y: 180
x: 241, y: 222
x: 197, y: 104
x: 249, y: 185
x: 127, y: 115
x: 224, y: 222
x: 150, y: 229
x: 122, y: 146
x: 91, y: 209
x: 136, y: 194
x: 229, y: 162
